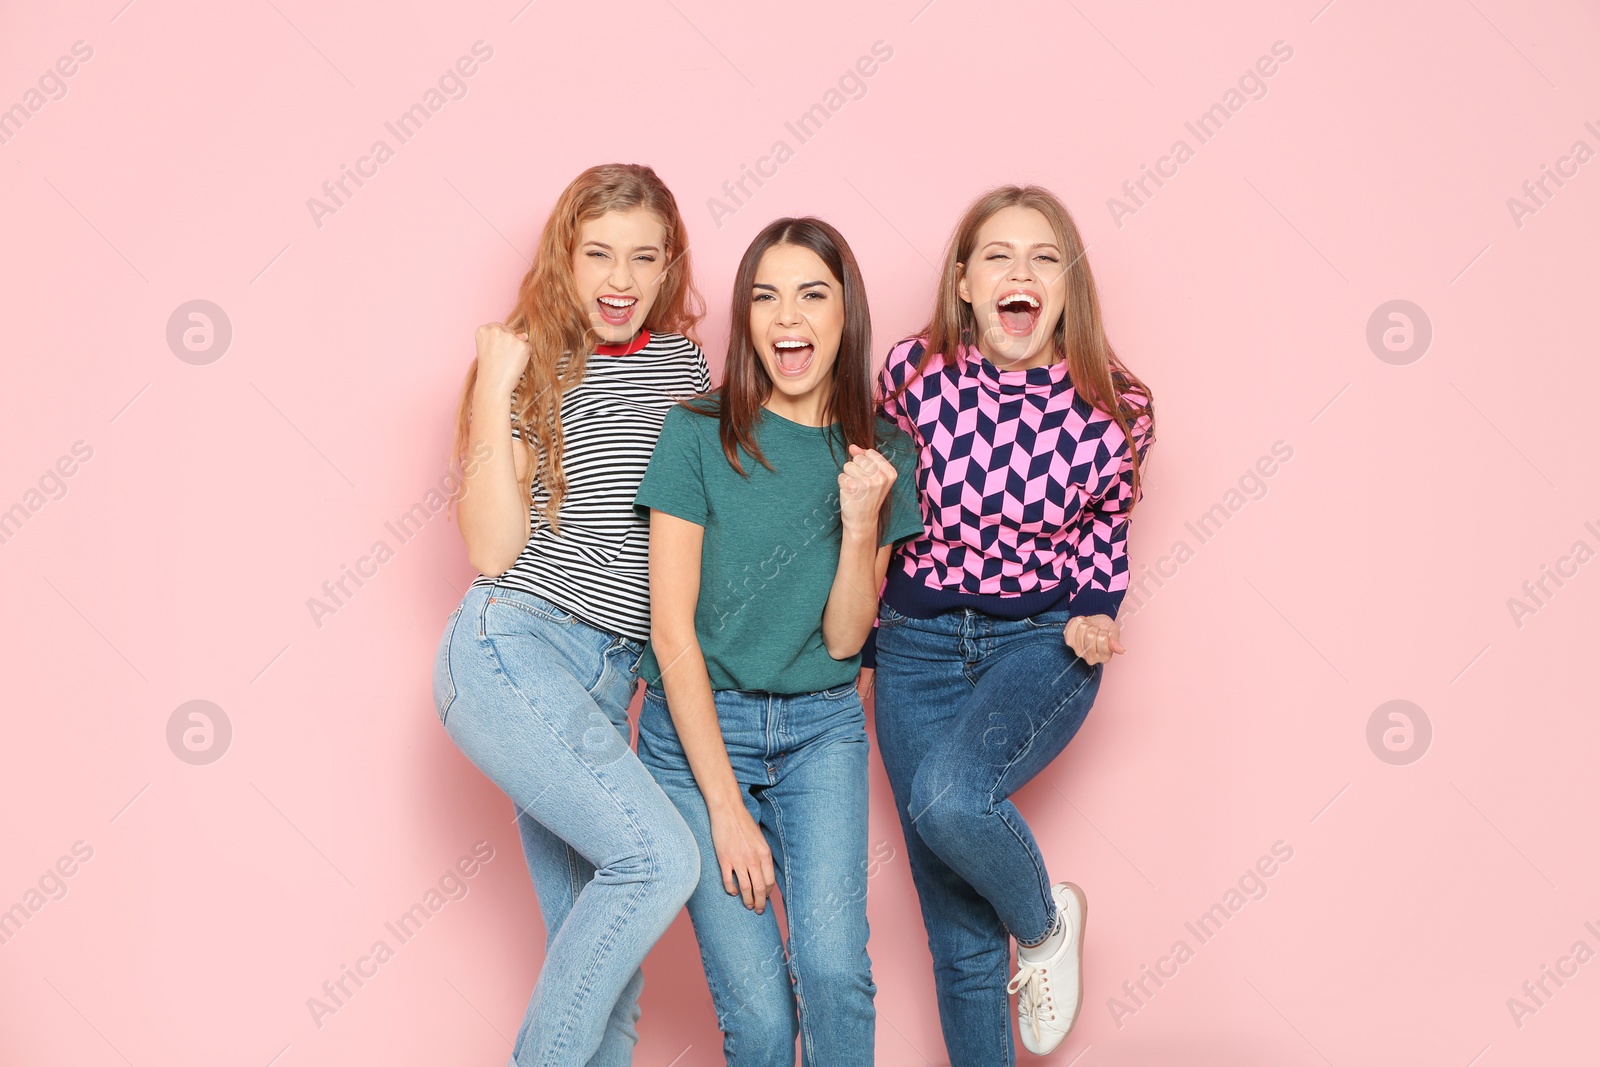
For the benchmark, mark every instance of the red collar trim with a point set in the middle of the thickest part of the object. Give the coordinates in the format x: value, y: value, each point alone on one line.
x: 640, y: 339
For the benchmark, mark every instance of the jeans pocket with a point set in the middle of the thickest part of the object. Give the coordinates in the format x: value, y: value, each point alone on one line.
x: 538, y: 608
x: 615, y: 684
x: 444, y: 683
x: 658, y: 736
x: 839, y: 692
x: 887, y: 616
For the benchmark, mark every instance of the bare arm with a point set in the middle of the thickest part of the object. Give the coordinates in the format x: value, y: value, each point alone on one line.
x: 493, y: 510
x: 742, y: 852
x: 853, y: 600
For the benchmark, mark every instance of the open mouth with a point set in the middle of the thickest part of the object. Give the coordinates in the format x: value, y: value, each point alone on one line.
x: 616, y: 310
x: 1019, y: 312
x: 793, y: 356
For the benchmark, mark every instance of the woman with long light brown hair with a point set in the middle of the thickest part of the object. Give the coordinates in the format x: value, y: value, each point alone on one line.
x: 996, y: 624
x: 537, y: 666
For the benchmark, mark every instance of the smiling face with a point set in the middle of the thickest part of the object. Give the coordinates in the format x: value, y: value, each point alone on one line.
x: 1017, y: 286
x: 618, y: 263
x: 796, y: 323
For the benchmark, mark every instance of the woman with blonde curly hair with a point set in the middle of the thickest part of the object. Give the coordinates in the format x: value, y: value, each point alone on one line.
x: 538, y: 664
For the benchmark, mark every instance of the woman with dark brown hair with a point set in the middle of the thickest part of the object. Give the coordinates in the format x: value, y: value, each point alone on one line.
x: 774, y: 504
x: 997, y: 623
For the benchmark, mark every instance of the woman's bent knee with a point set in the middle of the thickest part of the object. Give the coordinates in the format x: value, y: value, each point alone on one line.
x: 679, y: 864
x: 667, y: 857
x: 944, y: 812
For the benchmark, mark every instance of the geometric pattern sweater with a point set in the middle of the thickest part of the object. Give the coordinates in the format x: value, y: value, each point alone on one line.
x: 1023, y: 488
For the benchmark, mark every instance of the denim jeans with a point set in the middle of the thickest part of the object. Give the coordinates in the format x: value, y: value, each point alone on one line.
x: 538, y: 700
x: 801, y: 763
x: 969, y: 709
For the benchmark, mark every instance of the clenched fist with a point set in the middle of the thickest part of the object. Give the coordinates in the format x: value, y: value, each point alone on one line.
x: 502, y: 357
x: 863, y: 484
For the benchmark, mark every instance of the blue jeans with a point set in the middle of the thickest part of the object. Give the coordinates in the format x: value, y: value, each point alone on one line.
x: 969, y: 709
x: 801, y: 762
x: 538, y: 700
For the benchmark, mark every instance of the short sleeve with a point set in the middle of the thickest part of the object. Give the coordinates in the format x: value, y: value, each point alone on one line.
x: 674, y: 481
x: 905, y: 513
x: 702, y: 372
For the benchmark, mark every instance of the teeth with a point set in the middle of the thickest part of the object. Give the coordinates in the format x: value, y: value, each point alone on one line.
x: 793, y: 344
x: 1012, y: 299
x: 617, y: 301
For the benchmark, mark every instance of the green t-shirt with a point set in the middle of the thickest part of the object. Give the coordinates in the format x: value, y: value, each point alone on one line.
x: 771, y: 545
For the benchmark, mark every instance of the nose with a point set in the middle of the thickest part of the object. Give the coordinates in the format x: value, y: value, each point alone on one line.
x: 621, y: 276
x: 789, y: 311
x: 1021, y: 269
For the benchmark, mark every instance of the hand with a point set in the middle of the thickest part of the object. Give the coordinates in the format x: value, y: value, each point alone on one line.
x: 863, y: 485
x: 1094, y: 637
x: 744, y: 857
x: 864, y: 683
x: 502, y: 357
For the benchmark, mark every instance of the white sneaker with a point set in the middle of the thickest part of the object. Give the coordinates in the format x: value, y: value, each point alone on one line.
x: 1050, y: 991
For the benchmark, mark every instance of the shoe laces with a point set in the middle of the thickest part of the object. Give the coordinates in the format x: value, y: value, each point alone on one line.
x: 1031, y: 983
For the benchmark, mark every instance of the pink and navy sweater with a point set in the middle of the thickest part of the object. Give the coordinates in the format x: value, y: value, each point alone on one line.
x: 1023, y: 487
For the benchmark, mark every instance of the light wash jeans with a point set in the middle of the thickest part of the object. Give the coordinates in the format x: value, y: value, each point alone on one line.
x: 801, y: 762
x: 538, y: 700
x: 969, y: 709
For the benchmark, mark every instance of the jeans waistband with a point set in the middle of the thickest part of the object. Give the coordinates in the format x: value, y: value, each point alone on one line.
x: 760, y: 698
x: 485, y: 592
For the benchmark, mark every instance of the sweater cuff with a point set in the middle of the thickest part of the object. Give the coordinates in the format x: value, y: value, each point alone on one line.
x: 869, y: 651
x: 1095, y: 602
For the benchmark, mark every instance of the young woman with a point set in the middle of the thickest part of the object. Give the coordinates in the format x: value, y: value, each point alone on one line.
x: 996, y: 623
x: 773, y: 506
x: 537, y: 666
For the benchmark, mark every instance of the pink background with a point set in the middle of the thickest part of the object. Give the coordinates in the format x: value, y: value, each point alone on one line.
x: 1377, y: 566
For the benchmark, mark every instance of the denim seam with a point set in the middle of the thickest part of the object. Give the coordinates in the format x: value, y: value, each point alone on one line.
x: 1016, y: 757
x: 630, y: 673
x: 596, y: 961
x: 586, y: 977
x: 605, y: 659
x: 449, y: 668
x: 574, y: 877
x: 727, y: 1001
x: 564, y: 619
x: 807, y: 1042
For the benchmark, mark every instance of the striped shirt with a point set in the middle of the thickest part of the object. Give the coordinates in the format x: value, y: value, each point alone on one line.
x: 598, y: 567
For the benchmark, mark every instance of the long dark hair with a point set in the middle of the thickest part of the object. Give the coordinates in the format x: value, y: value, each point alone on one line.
x: 745, y: 382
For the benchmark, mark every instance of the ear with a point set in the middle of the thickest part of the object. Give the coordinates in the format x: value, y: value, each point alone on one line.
x: 962, y: 289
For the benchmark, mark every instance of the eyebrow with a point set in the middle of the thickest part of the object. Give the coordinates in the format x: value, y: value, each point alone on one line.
x: 774, y: 288
x: 602, y: 244
x: 1012, y: 244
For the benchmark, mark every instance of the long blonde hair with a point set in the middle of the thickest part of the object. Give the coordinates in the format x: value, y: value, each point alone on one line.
x: 1097, y: 374
x: 559, y: 333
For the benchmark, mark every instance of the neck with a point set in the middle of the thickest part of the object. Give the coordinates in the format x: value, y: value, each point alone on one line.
x: 806, y: 409
x: 1042, y: 358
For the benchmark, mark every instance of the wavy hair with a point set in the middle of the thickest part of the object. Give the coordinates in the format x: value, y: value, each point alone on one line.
x: 560, y: 336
